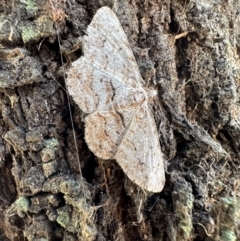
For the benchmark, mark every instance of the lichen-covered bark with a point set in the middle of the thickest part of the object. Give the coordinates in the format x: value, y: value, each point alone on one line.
x: 44, y: 195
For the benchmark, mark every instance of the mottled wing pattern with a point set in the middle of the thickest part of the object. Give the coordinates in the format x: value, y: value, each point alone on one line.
x: 108, y: 70
x: 94, y: 90
x: 139, y: 153
x: 106, y: 83
x: 105, y: 130
x: 131, y: 138
x: 116, y: 57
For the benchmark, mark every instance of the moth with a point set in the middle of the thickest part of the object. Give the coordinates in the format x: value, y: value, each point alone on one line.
x: 106, y: 84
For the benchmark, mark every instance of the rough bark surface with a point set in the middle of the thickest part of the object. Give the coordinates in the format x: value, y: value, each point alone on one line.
x: 44, y: 195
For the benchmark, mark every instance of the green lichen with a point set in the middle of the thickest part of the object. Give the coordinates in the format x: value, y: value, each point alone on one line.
x: 86, y: 212
x: 226, y: 213
x: 48, y: 153
x: 40, y: 28
x: 31, y: 5
x: 69, y: 186
x: 63, y: 218
x: 22, y: 204
x: 28, y: 33
x: 232, y: 211
x: 77, y: 215
x: 183, y: 211
x: 185, y: 220
x: 51, y: 143
x: 185, y: 223
x: 228, y: 235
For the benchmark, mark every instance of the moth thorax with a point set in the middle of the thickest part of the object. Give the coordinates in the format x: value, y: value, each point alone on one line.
x: 138, y: 97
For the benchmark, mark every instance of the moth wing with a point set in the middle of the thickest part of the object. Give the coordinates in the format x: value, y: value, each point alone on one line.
x: 108, y: 70
x: 105, y: 130
x: 140, y: 154
x: 107, y: 43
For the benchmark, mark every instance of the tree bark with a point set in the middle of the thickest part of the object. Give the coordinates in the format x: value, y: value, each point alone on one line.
x: 54, y: 188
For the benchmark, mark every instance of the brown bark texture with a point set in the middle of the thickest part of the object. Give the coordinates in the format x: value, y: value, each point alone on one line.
x: 186, y: 49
